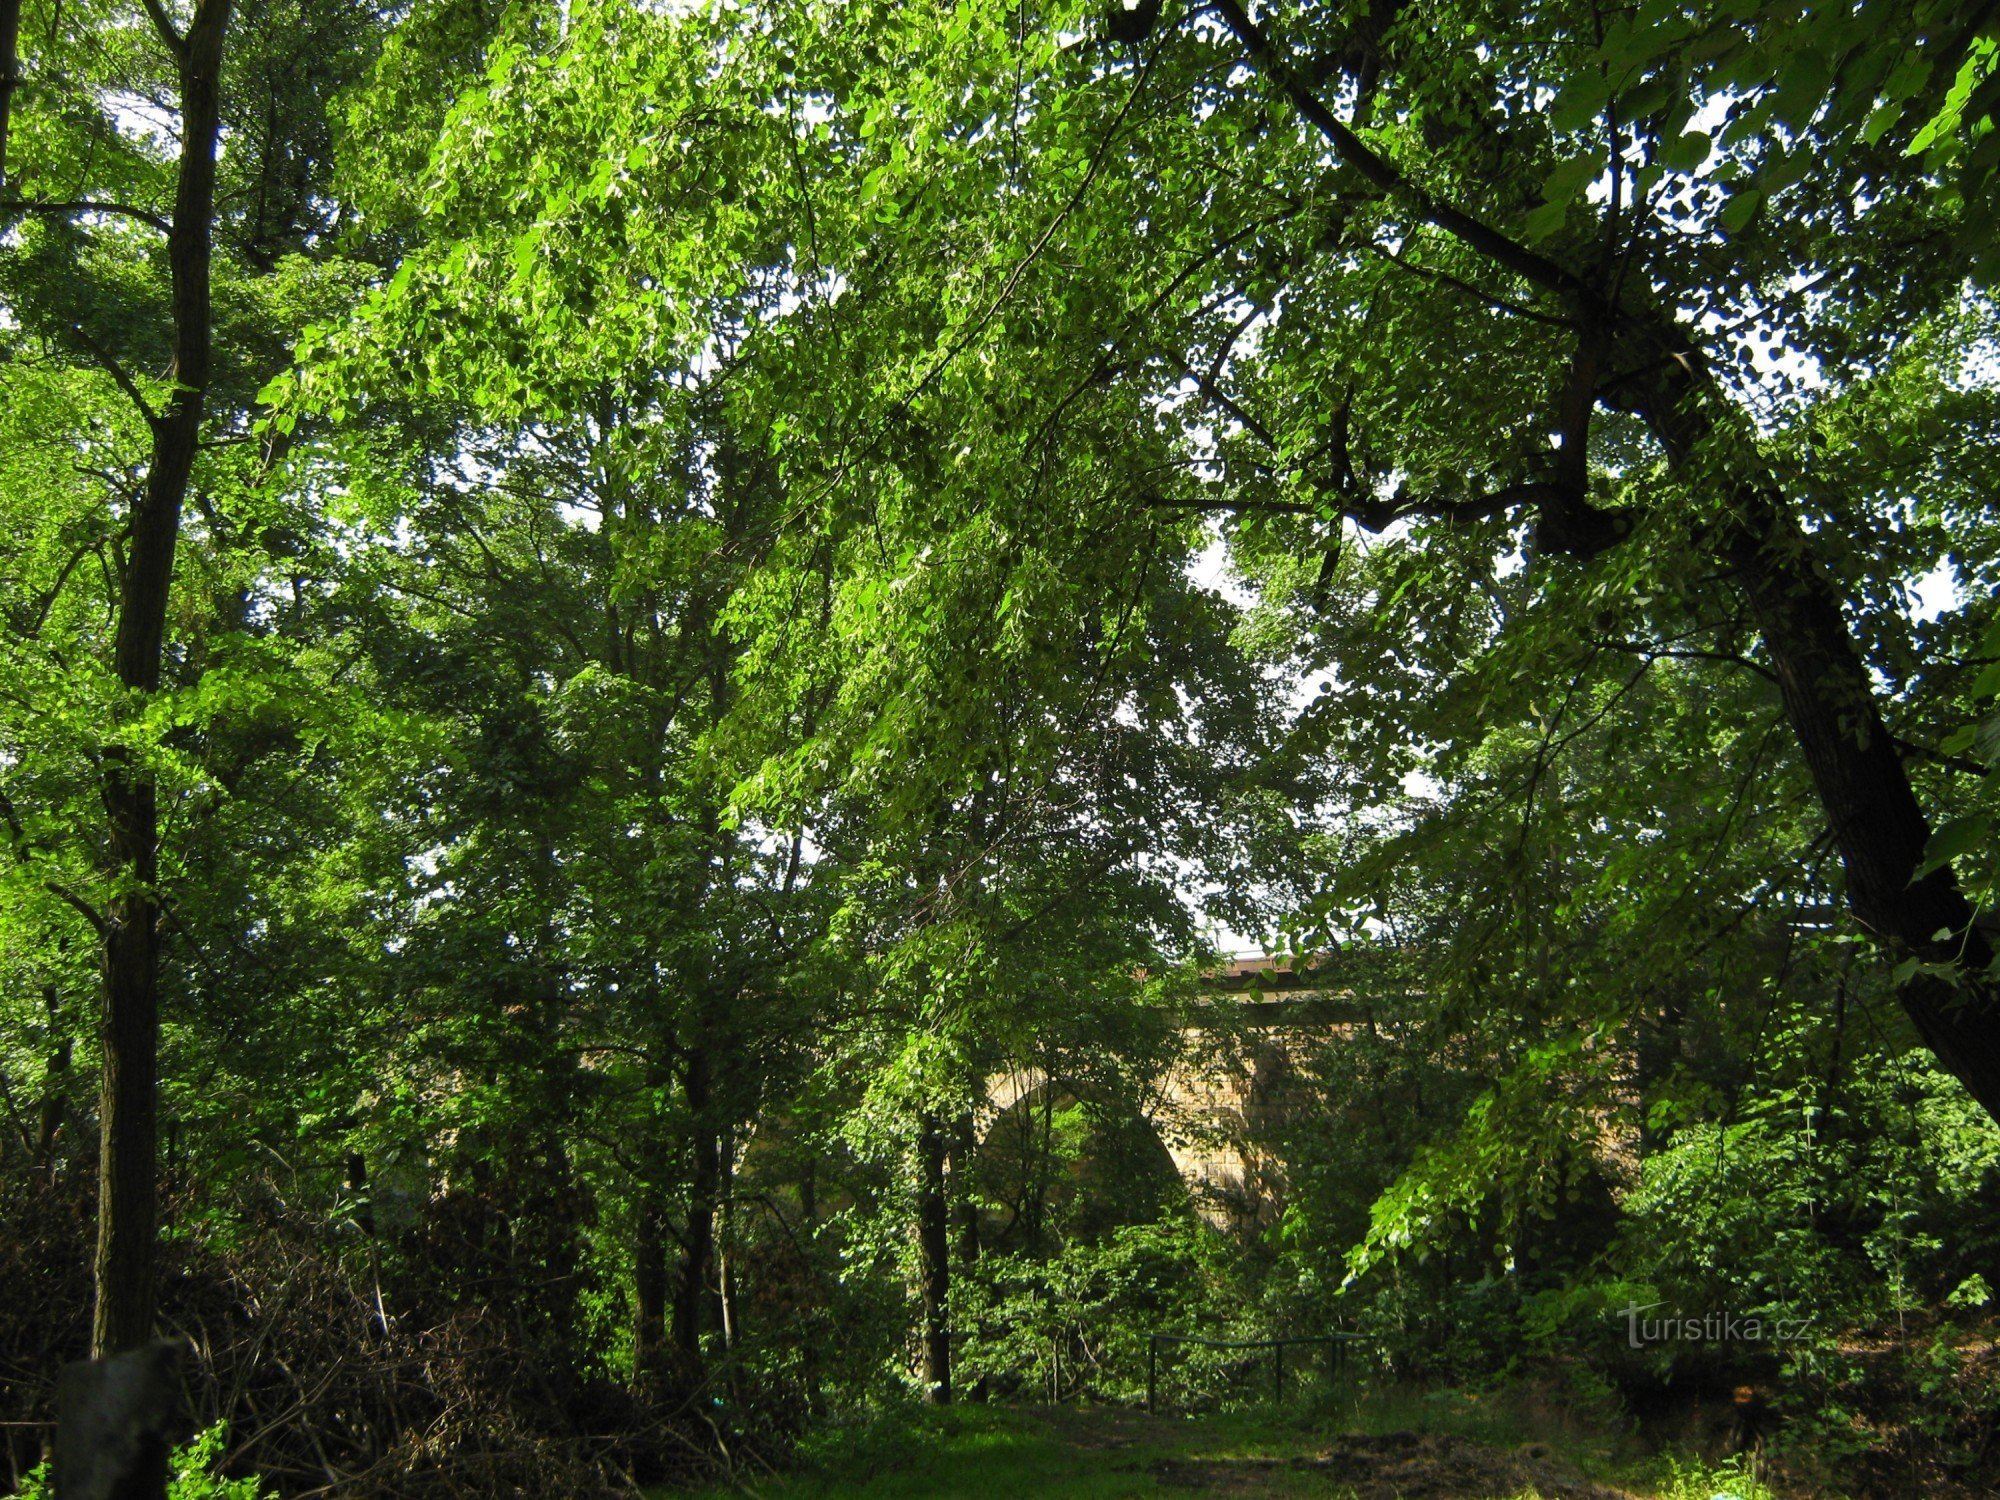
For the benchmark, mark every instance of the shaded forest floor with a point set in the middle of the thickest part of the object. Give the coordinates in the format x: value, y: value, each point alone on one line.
x: 1098, y: 1453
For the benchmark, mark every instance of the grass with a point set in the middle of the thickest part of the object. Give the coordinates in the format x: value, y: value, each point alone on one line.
x: 970, y: 1453
x: 1106, y: 1453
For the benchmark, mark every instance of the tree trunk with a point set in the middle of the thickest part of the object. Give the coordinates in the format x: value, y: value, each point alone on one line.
x: 1877, y: 824
x: 698, y: 1241
x: 55, y: 1074
x: 10, y: 72
x: 127, y: 1205
x: 1872, y: 810
x: 725, y: 1279
x: 934, y: 1261
x: 964, y: 1206
x: 362, y: 1201
x: 649, y: 1285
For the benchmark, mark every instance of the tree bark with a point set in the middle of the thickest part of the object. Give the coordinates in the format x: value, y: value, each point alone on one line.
x: 127, y: 1207
x: 934, y: 1261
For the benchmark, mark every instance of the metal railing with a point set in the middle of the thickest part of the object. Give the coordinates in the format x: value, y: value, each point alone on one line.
x: 1334, y: 1343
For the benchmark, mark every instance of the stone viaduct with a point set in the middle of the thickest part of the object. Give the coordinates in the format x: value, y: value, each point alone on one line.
x: 1237, y: 1070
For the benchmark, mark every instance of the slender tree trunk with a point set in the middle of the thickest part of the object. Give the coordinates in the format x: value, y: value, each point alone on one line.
x: 964, y: 1207
x: 698, y: 1240
x: 358, y: 1194
x: 725, y: 1216
x: 1872, y: 810
x: 127, y: 1205
x: 10, y: 72
x: 934, y: 1261
x: 49, y: 1112
x: 55, y: 1073
x: 649, y: 1285
x: 651, y: 1231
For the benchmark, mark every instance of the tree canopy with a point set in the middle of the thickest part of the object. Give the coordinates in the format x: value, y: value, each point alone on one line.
x: 611, y: 610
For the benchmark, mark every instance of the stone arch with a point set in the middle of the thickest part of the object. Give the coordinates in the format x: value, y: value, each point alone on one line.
x: 1121, y: 1170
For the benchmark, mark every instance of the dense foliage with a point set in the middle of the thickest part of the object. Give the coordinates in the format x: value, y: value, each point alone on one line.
x: 650, y: 653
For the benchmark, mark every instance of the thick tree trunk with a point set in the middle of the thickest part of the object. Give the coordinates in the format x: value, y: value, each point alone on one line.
x: 127, y: 1206
x: 934, y: 1261
x: 1871, y: 808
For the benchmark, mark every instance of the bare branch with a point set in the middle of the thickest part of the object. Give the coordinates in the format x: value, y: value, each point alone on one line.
x: 164, y: 25
x: 1478, y: 294
x: 1265, y: 507
x: 1378, y: 170
x: 1382, y: 514
x: 54, y: 209
x: 71, y: 899
x: 1652, y: 652
x: 116, y: 371
x: 1218, y: 397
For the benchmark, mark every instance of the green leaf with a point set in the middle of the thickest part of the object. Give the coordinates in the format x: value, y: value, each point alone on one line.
x: 1739, y: 210
x: 1684, y: 153
x: 1879, y: 121
x: 1954, y: 840
x: 1581, y: 101
x: 1571, y: 178
x: 525, y: 245
x: 1981, y: 59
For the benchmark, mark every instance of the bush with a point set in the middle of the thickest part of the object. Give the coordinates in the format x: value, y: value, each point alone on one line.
x: 191, y: 1477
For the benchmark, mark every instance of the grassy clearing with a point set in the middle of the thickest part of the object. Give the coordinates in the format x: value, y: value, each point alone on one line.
x: 1451, y: 1445
x: 970, y: 1453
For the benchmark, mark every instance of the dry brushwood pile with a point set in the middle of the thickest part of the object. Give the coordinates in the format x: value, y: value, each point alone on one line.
x: 335, y: 1378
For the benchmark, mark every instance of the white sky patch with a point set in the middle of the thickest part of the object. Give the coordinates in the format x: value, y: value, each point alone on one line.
x: 1936, y: 594
x: 145, y: 120
x: 1212, y: 569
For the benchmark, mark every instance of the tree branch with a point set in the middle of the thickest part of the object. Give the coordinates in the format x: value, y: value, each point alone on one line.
x: 164, y: 25
x: 1230, y: 507
x: 1378, y: 170
x: 71, y: 899
x: 54, y: 209
x: 1214, y: 394
x: 104, y: 361
x: 1382, y: 514
x: 1478, y: 294
x: 1686, y: 653
x: 1911, y: 750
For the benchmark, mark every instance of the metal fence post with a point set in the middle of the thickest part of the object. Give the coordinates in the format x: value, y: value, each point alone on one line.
x: 1152, y: 1371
